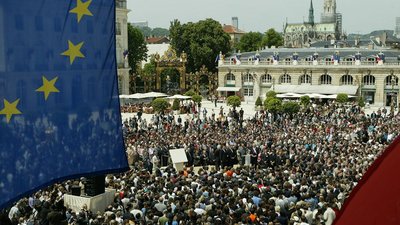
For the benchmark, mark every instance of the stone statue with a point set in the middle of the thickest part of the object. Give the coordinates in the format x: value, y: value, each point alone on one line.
x: 184, y: 56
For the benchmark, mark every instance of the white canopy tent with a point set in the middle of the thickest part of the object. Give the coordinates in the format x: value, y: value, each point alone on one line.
x: 181, y: 97
x: 235, y: 89
x: 154, y: 95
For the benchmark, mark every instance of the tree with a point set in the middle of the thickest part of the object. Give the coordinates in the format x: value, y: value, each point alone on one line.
x: 272, y: 38
x: 148, y: 72
x: 160, y: 32
x: 342, y: 98
x: 361, y: 101
x: 290, y: 107
x: 190, y: 93
x: 202, y: 41
x: 233, y: 101
x: 258, y: 101
x: 146, y: 31
x: 159, y: 104
x: 250, y: 42
x: 197, y: 98
x: 175, y: 104
x: 270, y: 94
x: 137, y: 50
x: 273, y: 105
x: 305, y: 100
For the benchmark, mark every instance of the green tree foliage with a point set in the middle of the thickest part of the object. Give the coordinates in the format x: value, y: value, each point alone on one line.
x: 202, y: 41
x: 342, y: 98
x: 160, y: 32
x: 190, y: 93
x: 149, y: 68
x: 175, y: 104
x: 197, y: 98
x: 250, y: 42
x: 291, y: 107
x: 233, y: 101
x: 146, y: 31
x: 258, y: 101
x: 136, y: 47
x: 272, y: 38
x: 273, y: 105
x: 361, y: 101
x: 156, y: 32
x: 270, y: 94
x: 159, y: 104
x: 305, y: 100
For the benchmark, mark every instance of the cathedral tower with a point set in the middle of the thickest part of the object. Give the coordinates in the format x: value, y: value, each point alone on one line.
x: 311, y: 14
x: 329, y: 14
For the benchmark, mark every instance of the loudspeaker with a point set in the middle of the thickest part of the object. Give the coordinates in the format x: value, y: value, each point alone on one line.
x: 95, y: 185
x: 76, y: 190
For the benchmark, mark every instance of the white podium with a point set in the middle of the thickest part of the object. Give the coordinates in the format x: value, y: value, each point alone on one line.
x: 94, y: 204
x: 178, y: 157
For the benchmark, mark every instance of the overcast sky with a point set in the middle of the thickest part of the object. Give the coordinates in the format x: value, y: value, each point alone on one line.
x: 359, y: 16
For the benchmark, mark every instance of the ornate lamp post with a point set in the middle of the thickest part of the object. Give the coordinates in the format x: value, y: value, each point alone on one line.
x: 168, y: 79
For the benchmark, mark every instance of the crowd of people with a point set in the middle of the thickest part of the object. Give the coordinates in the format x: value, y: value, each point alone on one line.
x: 270, y: 169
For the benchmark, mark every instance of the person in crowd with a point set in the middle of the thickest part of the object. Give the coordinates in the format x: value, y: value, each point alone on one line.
x: 302, y: 168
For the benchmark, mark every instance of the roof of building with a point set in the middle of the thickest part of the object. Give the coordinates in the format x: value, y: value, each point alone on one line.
x: 232, y: 30
x: 157, y: 40
x: 322, y: 53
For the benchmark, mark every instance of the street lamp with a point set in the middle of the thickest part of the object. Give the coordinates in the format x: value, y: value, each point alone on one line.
x: 168, y: 79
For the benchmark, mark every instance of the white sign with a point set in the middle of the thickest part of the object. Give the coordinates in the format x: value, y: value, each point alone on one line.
x: 178, y: 155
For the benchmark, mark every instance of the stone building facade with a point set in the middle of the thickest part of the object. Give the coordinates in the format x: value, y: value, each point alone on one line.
x: 121, y: 32
x: 371, y: 74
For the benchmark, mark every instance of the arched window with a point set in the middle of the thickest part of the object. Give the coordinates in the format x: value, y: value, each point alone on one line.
x: 286, y: 79
x: 369, y: 80
x: 230, y: 79
x: 266, y: 79
x: 392, y: 78
x: 325, y: 79
x: 305, y: 79
x: 346, y: 80
x: 248, y: 79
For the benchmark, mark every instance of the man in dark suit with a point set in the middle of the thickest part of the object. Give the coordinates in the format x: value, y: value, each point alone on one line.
x: 254, y: 155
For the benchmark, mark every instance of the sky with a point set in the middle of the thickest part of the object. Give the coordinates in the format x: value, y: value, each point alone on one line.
x: 359, y: 16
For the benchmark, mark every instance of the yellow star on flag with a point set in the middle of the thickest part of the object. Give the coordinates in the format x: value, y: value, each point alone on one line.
x: 81, y: 9
x: 10, y: 109
x: 48, y: 87
x: 73, y: 51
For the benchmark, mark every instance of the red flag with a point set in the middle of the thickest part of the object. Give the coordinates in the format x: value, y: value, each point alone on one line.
x: 376, y: 198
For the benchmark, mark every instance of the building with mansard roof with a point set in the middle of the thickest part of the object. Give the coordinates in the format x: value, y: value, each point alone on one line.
x: 298, y: 35
x: 372, y: 74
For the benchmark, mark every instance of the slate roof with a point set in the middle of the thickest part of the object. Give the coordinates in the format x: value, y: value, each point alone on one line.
x: 390, y: 54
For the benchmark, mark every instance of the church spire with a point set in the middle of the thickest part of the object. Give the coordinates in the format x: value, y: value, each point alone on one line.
x: 311, y: 14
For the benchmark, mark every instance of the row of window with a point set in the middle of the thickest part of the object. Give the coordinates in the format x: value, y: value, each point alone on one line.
x: 327, y: 59
x: 248, y: 79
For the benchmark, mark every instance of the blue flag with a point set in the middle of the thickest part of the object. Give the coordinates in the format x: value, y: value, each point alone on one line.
x: 59, y: 106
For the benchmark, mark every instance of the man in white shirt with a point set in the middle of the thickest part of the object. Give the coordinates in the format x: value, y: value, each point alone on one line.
x: 329, y: 215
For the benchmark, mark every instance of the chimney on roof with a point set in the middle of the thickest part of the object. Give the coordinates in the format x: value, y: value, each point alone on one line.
x: 235, y: 22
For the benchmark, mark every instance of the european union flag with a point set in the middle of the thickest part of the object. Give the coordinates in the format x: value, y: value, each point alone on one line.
x: 59, y: 106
